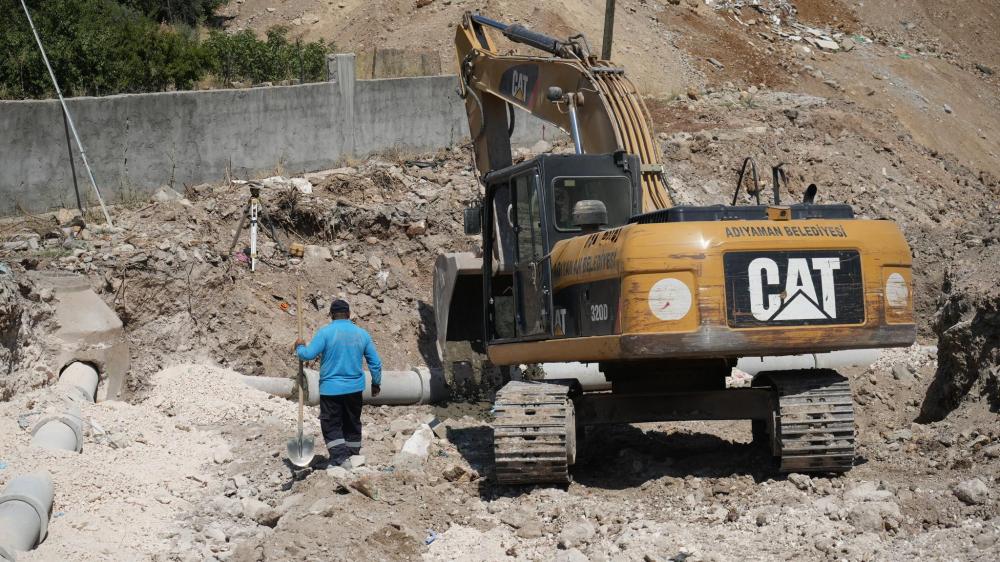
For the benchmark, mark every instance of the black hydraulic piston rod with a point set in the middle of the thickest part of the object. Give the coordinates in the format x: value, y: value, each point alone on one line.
x: 520, y: 34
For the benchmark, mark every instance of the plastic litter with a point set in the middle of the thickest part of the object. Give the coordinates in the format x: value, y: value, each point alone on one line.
x: 431, y: 537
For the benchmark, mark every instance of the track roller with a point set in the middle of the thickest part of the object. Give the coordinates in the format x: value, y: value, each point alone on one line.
x: 534, y: 433
x: 813, y: 426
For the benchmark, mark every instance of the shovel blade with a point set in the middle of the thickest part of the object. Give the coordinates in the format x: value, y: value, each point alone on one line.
x: 300, y: 451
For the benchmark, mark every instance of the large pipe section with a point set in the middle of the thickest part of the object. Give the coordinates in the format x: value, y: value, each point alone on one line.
x: 60, y: 431
x: 831, y: 360
x: 65, y: 431
x: 25, y: 506
x: 589, y: 374
x: 399, y: 388
x: 80, y: 379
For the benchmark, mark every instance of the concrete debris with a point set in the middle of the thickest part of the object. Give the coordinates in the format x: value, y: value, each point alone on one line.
x: 338, y: 472
x: 801, y: 481
x: 867, y: 492
x: 355, y: 462
x: 902, y: 373
x: 164, y: 194
x: 541, y: 147
x: 416, y: 449
x: 318, y: 253
x: 260, y: 512
x: 576, y: 534
x: 875, y: 516
x: 301, y: 185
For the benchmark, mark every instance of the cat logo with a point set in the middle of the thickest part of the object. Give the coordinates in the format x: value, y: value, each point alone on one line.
x: 801, y: 298
x: 519, y: 86
x: 793, y: 288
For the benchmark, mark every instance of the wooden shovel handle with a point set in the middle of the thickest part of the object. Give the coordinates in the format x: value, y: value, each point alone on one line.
x: 298, y: 308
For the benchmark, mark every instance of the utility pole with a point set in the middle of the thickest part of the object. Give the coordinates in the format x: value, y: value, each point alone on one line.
x: 609, y: 29
x: 67, y: 116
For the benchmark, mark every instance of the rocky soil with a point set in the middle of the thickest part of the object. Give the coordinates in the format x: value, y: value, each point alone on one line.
x: 898, y: 122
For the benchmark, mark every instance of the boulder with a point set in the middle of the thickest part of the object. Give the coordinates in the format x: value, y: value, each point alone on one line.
x: 972, y: 492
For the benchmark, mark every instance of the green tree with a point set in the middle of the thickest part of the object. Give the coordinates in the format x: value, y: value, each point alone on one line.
x: 190, y: 12
x: 96, y: 47
x: 101, y: 47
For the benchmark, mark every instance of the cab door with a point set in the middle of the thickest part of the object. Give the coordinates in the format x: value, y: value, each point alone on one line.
x: 532, y: 267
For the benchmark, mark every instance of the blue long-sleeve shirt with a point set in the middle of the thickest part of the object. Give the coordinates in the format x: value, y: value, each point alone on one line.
x: 342, y: 344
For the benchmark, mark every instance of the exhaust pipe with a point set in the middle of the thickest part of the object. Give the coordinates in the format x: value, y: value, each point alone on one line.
x: 25, y: 506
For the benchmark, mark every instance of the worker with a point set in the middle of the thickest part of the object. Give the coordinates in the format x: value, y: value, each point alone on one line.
x: 341, y: 380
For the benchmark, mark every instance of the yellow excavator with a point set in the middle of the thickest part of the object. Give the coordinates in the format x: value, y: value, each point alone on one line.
x: 586, y: 259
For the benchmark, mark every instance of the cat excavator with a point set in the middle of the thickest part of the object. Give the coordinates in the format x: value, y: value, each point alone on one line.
x: 586, y: 259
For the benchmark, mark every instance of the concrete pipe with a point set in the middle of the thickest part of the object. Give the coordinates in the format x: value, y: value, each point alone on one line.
x: 589, y: 374
x: 405, y: 388
x: 80, y: 380
x: 60, y: 432
x: 399, y: 388
x: 831, y: 360
x: 592, y: 379
x: 25, y: 506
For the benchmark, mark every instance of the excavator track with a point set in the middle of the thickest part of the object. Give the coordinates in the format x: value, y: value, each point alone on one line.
x: 814, y: 422
x: 534, y: 433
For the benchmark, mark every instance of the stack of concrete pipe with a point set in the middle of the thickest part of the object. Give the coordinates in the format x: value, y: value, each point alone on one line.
x: 26, y: 503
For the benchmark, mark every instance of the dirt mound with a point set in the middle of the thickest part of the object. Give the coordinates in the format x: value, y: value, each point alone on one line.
x: 968, y: 329
x: 25, y: 317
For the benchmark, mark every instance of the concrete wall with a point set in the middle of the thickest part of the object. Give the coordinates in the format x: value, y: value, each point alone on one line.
x: 137, y: 143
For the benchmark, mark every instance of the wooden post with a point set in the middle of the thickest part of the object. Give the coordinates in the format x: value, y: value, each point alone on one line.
x: 609, y: 29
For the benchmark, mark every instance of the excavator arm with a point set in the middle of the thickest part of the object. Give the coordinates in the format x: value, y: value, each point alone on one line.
x: 588, y: 98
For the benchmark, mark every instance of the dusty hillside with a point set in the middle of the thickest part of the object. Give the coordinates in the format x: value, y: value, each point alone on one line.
x: 923, y: 55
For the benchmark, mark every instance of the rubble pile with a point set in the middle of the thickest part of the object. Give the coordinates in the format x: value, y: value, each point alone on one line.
x: 371, y: 233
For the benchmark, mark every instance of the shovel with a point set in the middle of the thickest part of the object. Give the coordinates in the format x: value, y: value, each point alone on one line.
x: 300, y: 448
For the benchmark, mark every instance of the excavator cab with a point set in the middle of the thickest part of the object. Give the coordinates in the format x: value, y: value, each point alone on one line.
x: 530, y: 207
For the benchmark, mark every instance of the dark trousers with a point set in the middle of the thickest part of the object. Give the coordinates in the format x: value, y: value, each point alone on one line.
x: 340, y: 419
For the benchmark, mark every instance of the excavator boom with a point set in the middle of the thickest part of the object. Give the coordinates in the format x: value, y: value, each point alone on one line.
x: 588, y: 98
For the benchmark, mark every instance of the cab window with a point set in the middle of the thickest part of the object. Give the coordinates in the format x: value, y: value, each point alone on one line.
x: 614, y: 192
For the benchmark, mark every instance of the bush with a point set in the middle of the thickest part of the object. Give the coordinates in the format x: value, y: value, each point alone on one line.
x: 243, y: 57
x: 100, y: 47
